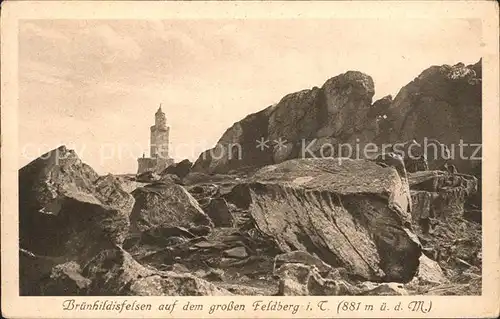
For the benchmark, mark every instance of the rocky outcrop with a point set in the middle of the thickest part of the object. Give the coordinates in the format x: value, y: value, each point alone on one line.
x: 267, y: 221
x: 351, y: 214
x: 442, y: 106
x: 66, y: 209
x: 335, y: 113
x: 442, y: 103
x: 162, y: 205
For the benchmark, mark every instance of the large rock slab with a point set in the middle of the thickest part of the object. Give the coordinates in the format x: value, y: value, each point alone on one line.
x: 351, y: 214
x: 66, y: 209
x: 165, y: 205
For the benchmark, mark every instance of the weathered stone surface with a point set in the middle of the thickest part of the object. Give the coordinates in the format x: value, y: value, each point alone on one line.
x: 350, y: 214
x: 387, y: 289
x: 442, y: 103
x: 429, y: 271
x: 114, y: 272
x: 66, y: 209
x: 170, y: 178
x: 301, y: 257
x: 336, y: 111
x: 218, y: 211
x: 440, y: 194
x: 439, y: 108
x: 236, y: 252
x: 180, y: 169
x: 65, y: 280
x: 165, y: 205
x: 147, y: 177
x: 302, y: 280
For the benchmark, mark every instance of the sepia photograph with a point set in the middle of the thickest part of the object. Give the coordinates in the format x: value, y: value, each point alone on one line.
x: 261, y: 156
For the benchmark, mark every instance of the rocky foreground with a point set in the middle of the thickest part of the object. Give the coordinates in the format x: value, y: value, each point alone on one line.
x: 302, y: 227
x: 273, y: 223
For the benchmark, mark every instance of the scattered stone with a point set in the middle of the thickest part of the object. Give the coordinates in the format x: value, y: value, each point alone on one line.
x: 301, y: 257
x: 200, y: 230
x: 387, y: 289
x: 236, y: 252
x: 429, y: 272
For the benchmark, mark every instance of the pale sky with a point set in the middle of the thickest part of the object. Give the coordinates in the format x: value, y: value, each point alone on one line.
x: 95, y: 85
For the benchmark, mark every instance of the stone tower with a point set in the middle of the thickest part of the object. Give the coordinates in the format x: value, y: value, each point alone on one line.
x: 159, y: 140
x: 159, y: 136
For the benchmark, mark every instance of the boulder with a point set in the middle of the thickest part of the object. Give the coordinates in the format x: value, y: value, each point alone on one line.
x: 33, y: 269
x: 180, y: 169
x: 66, y: 209
x: 293, y: 280
x: 165, y: 205
x: 218, y: 211
x: 350, y: 214
x: 429, y: 272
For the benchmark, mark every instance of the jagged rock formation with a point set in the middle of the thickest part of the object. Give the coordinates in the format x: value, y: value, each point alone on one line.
x: 73, y: 224
x: 66, y: 209
x: 442, y: 103
x: 336, y: 112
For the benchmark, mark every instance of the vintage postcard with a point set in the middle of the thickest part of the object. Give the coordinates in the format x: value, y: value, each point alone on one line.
x: 250, y: 159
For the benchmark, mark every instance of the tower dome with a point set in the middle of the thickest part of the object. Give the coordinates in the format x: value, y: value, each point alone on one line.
x: 160, y: 118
